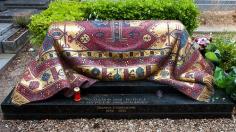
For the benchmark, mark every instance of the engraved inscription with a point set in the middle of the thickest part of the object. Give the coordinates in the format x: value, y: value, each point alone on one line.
x: 124, y: 100
x: 117, y: 109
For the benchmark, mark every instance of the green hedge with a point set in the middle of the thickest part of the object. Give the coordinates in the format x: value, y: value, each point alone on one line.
x: 72, y: 10
x: 58, y: 10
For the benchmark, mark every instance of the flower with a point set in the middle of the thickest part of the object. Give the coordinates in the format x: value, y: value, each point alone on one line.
x: 203, y: 41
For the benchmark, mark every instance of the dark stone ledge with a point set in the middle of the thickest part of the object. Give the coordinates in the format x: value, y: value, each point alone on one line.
x: 116, y: 100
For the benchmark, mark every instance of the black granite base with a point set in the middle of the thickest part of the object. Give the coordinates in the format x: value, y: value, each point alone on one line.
x: 123, y: 100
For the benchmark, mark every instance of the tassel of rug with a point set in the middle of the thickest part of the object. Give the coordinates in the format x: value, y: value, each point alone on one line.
x: 205, y: 95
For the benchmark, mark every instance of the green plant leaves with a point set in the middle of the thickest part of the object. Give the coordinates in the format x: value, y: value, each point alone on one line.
x: 223, y: 51
x: 212, y: 57
x: 59, y: 10
x: 226, y: 81
x: 73, y: 10
x: 226, y: 47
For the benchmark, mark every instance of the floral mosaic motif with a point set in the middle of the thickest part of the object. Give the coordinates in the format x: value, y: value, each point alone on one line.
x: 146, y: 38
x: 84, y: 38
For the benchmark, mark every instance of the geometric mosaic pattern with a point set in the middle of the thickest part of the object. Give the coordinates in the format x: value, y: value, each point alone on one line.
x: 78, y: 54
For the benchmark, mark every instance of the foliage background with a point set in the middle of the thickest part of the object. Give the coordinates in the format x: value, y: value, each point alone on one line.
x: 222, y: 52
x: 73, y: 10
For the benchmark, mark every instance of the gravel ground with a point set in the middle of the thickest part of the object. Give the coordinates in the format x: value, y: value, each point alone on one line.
x: 11, y: 75
x: 104, y: 125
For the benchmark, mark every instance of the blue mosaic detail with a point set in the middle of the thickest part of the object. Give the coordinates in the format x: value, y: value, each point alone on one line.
x: 140, y: 72
x: 117, y: 76
x: 95, y: 72
x: 45, y: 76
x: 100, y: 24
x: 47, y: 43
x: 56, y: 34
x: 183, y: 38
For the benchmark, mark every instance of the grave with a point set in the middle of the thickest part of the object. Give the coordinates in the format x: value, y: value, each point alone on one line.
x: 2, y: 7
x: 8, y: 49
x: 13, y: 43
x: 116, y: 100
x: 4, y: 29
x: 12, y: 38
x: 119, y: 99
x: 8, y: 15
x: 27, y: 4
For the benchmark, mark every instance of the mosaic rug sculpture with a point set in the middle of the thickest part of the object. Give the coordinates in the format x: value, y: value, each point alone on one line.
x: 78, y: 54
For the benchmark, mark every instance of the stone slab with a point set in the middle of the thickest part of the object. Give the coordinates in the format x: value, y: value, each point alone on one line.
x: 4, y: 27
x: 10, y: 13
x: 216, y: 7
x: 5, y: 59
x: 14, y: 46
x: 122, y: 100
x: 2, y: 7
x: 215, y: 1
x: 8, y: 33
x: 27, y: 2
x: 216, y: 29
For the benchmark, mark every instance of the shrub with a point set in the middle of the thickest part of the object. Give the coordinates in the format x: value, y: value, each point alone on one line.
x: 59, y: 10
x: 183, y: 10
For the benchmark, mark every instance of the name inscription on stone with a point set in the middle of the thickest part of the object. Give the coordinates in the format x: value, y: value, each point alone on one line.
x: 116, y: 109
x: 114, y: 101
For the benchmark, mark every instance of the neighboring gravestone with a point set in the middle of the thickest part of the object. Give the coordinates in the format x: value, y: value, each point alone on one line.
x: 2, y: 7
x: 5, y: 31
x: 216, y: 5
x: 8, y: 15
x: 4, y: 27
x: 27, y: 4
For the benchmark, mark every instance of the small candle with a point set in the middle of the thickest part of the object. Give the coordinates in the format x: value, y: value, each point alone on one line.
x: 77, y: 96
